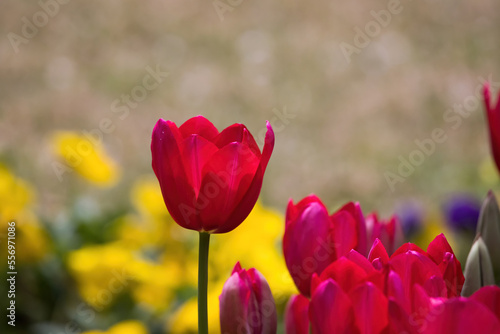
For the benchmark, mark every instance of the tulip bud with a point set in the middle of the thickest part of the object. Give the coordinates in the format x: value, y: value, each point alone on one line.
x: 489, y: 229
x: 478, y: 268
x: 247, y: 304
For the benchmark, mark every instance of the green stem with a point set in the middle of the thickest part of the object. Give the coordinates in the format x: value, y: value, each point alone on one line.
x: 203, y: 283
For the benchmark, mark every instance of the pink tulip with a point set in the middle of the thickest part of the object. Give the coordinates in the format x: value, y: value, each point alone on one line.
x: 313, y: 239
x: 247, y: 304
x: 210, y: 181
x: 307, y: 244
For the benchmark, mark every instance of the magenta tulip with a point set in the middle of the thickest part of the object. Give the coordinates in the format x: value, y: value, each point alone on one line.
x: 247, y: 304
x: 307, y: 246
x: 210, y: 181
x: 493, y: 114
x: 313, y: 239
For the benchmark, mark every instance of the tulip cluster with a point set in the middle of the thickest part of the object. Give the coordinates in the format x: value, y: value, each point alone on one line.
x: 314, y: 239
x: 354, y: 272
x: 412, y: 291
x: 387, y: 289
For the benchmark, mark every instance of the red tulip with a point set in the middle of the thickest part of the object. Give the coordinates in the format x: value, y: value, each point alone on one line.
x: 210, y: 181
x: 493, y: 114
x: 313, y: 239
x: 247, y: 304
x: 297, y: 315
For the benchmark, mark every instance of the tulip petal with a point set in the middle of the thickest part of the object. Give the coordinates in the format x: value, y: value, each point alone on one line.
x: 361, y: 261
x: 249, y: 199
x: 493, y: 114
x: 435, y: 287
x: 421, y: 305
x: 240, y: 134
x: 413, y: 268
x: 378, y: 251
x: 247, y: 304
x: 226, y: 178
x: 489, y: 226
x: 297, y: 315
x: 344, y: 232
x: 293, y: 210
x: 330, y: 310
x: 196, y: 152
x: 266, y: 307
x: 396, y: 292
x: 370, y: 308
x: 439, y: 250
x: 346, y: 273
x: 489, y: 296
x: 233, y: 304
x: 478, y: 270
x: 306, y: 245
x: 399, y: 319
x: 355, y: 210
x: 169, y: 169
x: 199, y: 125
x: 408, y: 247
x: 461, y: 316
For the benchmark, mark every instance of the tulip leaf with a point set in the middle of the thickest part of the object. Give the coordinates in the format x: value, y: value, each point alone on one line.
x: 478, y: 268
x: 488, y: 229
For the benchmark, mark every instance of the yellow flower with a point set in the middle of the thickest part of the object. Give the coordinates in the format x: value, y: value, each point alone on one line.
x: 31, y: 240
x: 156, y: 283
x: 101, y: 272
x: 87, y: 158
x: 17, y: 198
x: 104, y: 271
x: 16, y: 195
x: 125, y: 327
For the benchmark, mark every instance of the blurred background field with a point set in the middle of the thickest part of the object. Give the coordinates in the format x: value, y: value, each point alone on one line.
x: 340, y: 126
